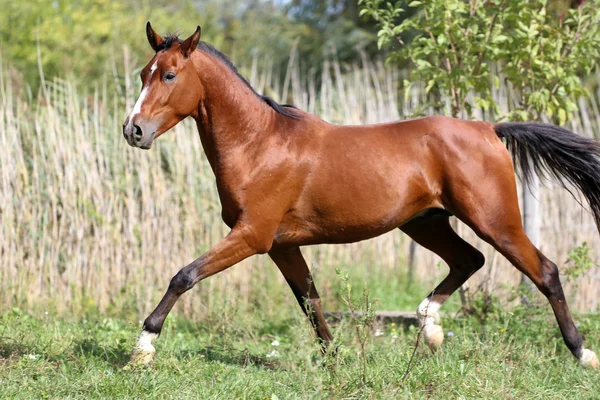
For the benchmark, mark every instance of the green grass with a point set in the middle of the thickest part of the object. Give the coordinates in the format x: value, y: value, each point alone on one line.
x: 516, y: 354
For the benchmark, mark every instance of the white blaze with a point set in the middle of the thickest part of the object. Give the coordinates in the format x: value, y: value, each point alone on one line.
x: 137, y: 108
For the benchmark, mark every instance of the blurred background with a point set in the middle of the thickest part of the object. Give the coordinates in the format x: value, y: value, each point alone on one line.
x: 89, y: 224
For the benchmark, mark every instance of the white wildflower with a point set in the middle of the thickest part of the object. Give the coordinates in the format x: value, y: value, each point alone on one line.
x: 378, y: 333
x: 273, y: 353
x: 275, y: 343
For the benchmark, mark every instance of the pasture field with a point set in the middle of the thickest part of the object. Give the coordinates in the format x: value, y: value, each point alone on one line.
x: 233, y: 354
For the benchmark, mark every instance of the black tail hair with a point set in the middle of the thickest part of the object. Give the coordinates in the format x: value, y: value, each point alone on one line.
x: 547, y: 149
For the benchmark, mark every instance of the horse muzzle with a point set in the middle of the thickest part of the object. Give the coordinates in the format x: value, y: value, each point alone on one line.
x: 137, y: 136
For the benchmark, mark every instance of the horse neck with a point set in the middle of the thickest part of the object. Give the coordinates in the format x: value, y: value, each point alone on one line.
x: 230, y: 115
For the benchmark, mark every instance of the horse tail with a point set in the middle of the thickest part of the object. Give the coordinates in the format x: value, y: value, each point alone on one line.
x: 547, y: 149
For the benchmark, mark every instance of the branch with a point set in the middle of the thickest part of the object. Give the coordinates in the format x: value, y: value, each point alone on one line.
x: 399, y: 39
x: 453, y: 91
x: 576, y: 37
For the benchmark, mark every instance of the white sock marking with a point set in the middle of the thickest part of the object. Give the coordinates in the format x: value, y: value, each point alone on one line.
x: 144, y: 342
x: 428, y: 312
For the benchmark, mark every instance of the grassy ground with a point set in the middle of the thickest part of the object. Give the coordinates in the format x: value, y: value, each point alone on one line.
x: 231, y: 354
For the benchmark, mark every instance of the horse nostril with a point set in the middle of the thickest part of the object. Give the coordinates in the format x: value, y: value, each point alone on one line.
x: 138, y: 132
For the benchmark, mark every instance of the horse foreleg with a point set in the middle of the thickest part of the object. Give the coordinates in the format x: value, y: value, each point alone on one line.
x: 295, y: 271
x: 235, y: 247
x: 464, y: 260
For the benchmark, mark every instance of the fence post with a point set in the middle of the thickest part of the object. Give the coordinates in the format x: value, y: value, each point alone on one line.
x: 532, y: 224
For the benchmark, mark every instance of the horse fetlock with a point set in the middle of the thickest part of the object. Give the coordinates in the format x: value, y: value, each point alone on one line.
x: 152, y: 326
x: 589, y: 359
x: 429, y: 318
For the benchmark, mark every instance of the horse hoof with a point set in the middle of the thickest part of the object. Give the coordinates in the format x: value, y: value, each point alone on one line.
x: 140, y: 358
x: 589, y: 359
x: 434, y: 336
x: 143, y: 352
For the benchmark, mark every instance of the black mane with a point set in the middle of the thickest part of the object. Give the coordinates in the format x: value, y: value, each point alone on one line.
x: 283, y: 109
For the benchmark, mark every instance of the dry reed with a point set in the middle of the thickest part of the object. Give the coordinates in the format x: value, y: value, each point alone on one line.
x: 89, y: 223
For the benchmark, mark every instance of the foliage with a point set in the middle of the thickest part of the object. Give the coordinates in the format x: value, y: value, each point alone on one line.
x: 456, y: 40
x: 362, y: 317
x: 579, y: 262
x: 544, y: 57
x: 333, y: 27
x: 85, y: 38
x: 541, y: 55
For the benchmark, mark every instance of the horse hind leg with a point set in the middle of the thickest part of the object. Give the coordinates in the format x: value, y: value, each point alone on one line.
x: 518, y: 249
x: 464, y: 260
x: 500, y: 225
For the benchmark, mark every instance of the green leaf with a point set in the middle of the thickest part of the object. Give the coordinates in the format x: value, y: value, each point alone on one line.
x: 562, y: 116
x: 430, y: 85
x: 423, y: 63
x: 499, y: 39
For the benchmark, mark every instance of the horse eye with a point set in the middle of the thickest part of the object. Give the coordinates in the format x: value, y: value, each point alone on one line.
x: 169, y: 76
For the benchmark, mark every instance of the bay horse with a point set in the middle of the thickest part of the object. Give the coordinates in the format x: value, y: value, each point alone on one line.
x: 287, y: 179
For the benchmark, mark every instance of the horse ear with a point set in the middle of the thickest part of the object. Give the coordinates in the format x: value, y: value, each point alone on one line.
x: 154, y: 38
x: 190, y: 44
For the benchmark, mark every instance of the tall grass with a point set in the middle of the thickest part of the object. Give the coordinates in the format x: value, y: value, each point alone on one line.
x: 88, y: 222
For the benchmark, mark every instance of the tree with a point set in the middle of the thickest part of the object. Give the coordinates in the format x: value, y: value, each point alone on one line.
x: 333, y: 29
x: 451, y: 51
x: 544, y: 57
x: 541, y: 54
x: 84, y: 38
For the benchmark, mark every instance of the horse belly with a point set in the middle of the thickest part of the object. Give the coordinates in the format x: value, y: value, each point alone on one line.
x: 345, y: 222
